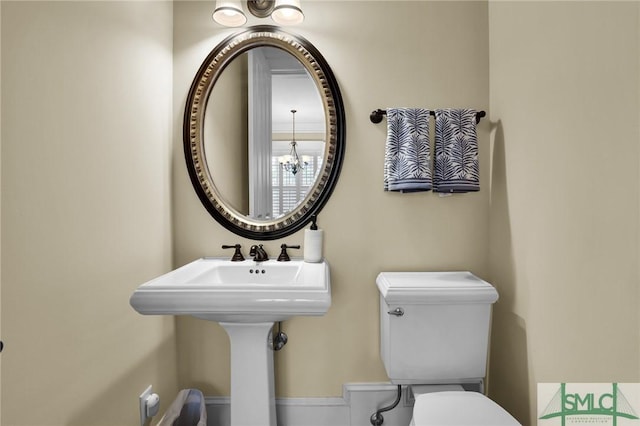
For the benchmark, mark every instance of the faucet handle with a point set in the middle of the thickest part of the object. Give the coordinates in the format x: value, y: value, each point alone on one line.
x: 237, y: 256
x: 284, y: 257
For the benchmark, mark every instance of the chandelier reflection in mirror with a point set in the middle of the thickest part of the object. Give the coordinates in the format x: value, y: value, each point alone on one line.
x: 293, y: 162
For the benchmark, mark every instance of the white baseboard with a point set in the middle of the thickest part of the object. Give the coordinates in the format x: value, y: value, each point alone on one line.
x: 358, y: 402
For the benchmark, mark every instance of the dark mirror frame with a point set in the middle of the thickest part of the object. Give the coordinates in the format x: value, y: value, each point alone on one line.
x: 195, y: 157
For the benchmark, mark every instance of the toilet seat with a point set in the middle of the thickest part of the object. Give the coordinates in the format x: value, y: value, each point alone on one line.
x: 459, y: 408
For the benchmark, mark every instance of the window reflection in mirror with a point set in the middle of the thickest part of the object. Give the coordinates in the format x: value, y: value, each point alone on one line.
x: 289, y: 190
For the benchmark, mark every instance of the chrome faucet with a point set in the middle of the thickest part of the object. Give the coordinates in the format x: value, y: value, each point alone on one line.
x: 258, y: 253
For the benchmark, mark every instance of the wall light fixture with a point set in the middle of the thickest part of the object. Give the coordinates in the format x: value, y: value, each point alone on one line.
x: 287, y: 12
x: 284, y: 12
x: 229, y: 13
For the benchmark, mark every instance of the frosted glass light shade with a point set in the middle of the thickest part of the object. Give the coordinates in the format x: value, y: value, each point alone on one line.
x: 287, y: 12
x: 229, y: 13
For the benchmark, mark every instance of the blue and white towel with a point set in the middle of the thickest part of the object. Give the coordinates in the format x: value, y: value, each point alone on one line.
x: 407, y: 160
x: 456, y: 166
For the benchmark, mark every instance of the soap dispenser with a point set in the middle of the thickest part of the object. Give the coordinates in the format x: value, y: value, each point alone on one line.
x: 313, y: 242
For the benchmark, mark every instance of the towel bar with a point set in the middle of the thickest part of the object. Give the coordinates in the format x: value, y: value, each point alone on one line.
x: 376, y: 115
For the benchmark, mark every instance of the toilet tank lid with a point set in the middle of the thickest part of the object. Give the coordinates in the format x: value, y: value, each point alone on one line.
x: 434, y: 288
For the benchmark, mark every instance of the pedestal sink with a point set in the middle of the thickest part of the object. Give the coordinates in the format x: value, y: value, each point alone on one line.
x: 246, y: 298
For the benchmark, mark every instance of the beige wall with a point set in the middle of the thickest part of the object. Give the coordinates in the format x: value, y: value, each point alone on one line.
x: 0, y: 213
x: 85, y: 209
x: 564, y: 200
x: 412, y: 60
x: 92, y: 104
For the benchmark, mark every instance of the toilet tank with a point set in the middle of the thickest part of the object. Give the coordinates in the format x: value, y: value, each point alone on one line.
x: 434, y: 326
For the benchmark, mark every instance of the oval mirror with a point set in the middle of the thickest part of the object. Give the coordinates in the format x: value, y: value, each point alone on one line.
x: 264, y: 133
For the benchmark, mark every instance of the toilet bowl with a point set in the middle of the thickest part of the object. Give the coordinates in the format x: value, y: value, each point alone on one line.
x: 434, y: 330
x: 459, y: 408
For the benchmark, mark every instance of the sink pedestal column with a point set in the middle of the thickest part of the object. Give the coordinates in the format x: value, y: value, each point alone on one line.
x: 252, y: 383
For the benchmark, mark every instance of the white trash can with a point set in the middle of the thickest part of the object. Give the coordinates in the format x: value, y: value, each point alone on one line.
x: 188, y: 409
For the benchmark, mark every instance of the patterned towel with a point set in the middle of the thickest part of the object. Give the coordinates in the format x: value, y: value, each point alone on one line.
x: 456, y: 151
x: 407, y: 156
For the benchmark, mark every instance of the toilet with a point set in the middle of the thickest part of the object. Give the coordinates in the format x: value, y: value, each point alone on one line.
x: 434, y: 330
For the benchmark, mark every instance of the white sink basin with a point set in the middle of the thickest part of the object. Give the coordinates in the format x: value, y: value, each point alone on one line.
x: 246, y: 298
x: 217, y: 289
